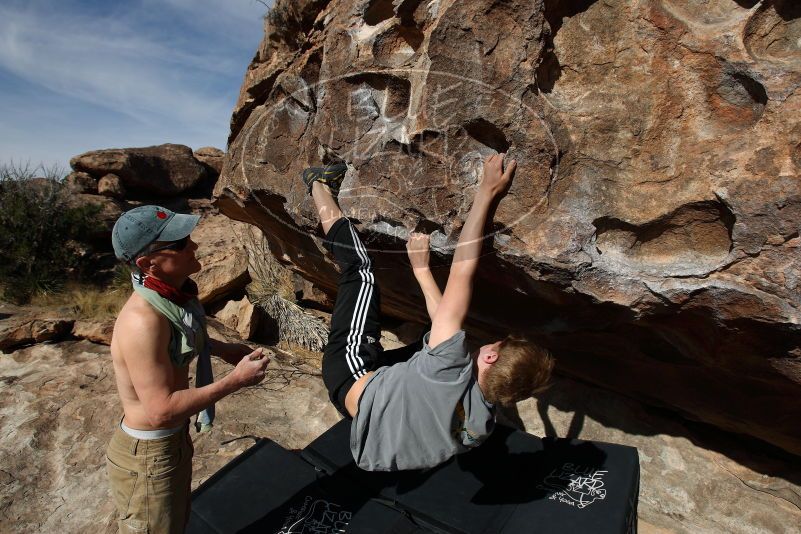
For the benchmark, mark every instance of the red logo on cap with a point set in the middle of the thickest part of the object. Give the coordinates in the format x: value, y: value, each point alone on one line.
x: 161, y: 215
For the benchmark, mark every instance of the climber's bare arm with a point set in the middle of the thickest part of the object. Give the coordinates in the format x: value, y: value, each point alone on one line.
x: 418, y: 249
x: 455, y: 302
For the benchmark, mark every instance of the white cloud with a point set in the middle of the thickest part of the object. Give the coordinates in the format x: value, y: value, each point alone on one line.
x: 112, y: 67
x: 174, y: 76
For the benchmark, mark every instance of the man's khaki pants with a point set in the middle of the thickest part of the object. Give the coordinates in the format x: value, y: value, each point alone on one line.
x: 151, y: 481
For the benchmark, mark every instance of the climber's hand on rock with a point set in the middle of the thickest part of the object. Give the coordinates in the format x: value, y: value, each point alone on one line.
x: 418, y: 250
x: 496, y: 180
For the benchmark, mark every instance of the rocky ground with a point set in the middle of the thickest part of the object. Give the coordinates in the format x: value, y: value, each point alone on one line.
x: 58, y: 406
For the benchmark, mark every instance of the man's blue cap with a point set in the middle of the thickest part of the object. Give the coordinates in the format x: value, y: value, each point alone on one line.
x: 139, y: 227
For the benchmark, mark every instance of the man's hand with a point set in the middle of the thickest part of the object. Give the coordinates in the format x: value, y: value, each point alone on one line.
x: 495, y: 180
x: 418, y: 250
x: 250, y: 369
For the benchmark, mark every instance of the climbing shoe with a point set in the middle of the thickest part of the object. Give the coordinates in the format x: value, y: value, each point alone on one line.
x: 330, y: 175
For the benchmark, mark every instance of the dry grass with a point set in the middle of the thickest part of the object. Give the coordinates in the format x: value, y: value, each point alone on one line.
x: 86, y: 302
x: 89, y: 302
x: 286, y: 22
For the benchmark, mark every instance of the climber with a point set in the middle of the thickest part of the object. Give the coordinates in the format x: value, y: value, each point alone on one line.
x: 159, y: 330
x: 417, y: 406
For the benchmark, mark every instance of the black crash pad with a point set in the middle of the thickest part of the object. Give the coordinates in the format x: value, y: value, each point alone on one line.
x: 513, y: 483
x: 269, y: 489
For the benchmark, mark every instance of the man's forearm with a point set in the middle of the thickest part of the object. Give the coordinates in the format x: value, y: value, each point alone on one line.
x: 471, y: 240
x: 182, y: 404
x: 430, y: 290
x: 229, y: 352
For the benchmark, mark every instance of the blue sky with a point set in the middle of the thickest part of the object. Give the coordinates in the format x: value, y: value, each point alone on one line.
x: 84, y: 75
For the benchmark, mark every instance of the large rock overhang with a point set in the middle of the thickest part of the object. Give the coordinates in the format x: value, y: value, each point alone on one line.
x: 650, y: 236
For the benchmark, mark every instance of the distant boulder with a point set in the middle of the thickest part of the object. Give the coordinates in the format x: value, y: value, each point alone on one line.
x: 81, y: 182
x: 109, y: 211
x: 164, y: 170
x: 111, y: 186
x: 213, y: 157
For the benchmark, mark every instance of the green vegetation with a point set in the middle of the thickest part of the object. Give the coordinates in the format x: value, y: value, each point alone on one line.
x: 40, y: 232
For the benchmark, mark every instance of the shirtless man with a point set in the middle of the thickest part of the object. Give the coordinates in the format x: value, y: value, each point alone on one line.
x: 158, y: 332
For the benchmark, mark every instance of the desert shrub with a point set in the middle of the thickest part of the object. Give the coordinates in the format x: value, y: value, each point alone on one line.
x: 285, y: 21
x: 40, y: 231
x: 290, y: 21
x: 272, y: 290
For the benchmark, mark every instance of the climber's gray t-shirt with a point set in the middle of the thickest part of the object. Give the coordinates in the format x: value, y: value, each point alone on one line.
x: 417, y: 414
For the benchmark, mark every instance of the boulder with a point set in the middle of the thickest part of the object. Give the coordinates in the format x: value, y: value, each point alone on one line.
x: 250, y: 320
x: 164, y: 170
x: 222, y: 254
x: 32, y: 326
x: 94, y: 331
x: 650, y: 235
x: 213, y: 157
x: 111, y: 186
x: 241, y: 316
x: 110, y: 211
x: 81, y: 182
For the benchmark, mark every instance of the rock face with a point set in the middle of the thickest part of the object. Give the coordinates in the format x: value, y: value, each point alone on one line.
x: 111, y: 186
x: 164, y: 170
x: 650, y: 236
x: 213, y: 157
x: 81, y: 182
x: 222, y: 255
x: 20, y: 329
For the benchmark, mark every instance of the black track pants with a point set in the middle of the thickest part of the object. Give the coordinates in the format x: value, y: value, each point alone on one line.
x: 354, y: 346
